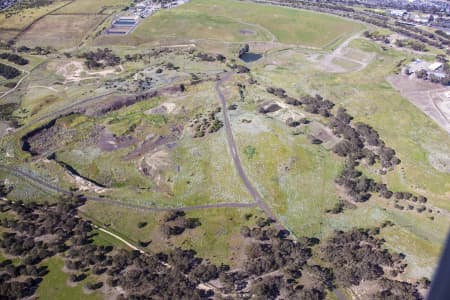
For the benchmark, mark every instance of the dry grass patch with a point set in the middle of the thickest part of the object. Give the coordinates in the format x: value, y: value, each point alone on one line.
x: 59, y: 31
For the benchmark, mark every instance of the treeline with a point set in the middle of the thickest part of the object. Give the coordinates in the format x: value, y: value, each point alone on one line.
x: 14, y: 58
x: 443, y: 34
x: 8, y: 72
x: 359, y: 142
x: 415, y: 45
x: 24, y: 4
x: 36, y: 50
x: 314, y: 105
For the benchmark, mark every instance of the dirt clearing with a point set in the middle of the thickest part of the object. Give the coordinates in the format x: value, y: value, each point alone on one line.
x: 433, y: 99
x: 75, y: 71
x: 343, y: 59
x: 165, y: 108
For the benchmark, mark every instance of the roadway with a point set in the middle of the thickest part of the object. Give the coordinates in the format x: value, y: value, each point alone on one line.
x: 43, y: 183
x: 235, y: 154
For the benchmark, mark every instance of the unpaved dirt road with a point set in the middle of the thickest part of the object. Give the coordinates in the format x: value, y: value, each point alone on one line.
x: 43, y: 183
x: 235, y: 154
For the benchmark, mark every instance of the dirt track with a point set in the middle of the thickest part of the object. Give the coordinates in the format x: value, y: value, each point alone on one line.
x: 42, y: 183
x: 235, y: 154
x: 327, y: 62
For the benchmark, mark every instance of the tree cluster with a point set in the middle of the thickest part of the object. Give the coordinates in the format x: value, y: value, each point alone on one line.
x: 209, y: 124
x: 152, y: 54
x: 314, y: 105
x: 415, y: 45
x: 377, y: 36
x: 36, y: 50
x: 40, y: 231
x: 101, y: 58
x: 175, y: 223
x: 205, y: 57
x: 277, y: 265
x: 14, y: 58
x: 274, y: 264
x: 8, y: 72
x: 357, y: 255
x: 243, y: 50
x: 7, y: 110
x: 361, y: 141
x: 44, y: 230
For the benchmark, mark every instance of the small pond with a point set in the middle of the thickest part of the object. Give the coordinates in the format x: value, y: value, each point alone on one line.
x: 250, y: 57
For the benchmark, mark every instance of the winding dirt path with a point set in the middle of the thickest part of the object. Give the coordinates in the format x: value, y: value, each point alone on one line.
x: 327, y: 61
x: 43, y: 183
x: 119, y: 238
x: 259, y: 202
x: 27, y: 73
x: 235, y: 154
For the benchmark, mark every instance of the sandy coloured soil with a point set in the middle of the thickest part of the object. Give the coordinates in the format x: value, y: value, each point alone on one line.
x: 75, y: 71
x: 165, y: 108
x: 343, y: 59
x: 325, y: 134
x: 429, y: 97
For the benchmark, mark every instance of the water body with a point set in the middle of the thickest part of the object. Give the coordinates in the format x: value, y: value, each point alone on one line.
x: 250, y: 57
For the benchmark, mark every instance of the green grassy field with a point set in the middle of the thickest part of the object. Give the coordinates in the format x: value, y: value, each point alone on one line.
x: 188, y: 25
x: 231, y: 21
x: 295, y: 177
x: 54, y: 285
x: 370, y: 99
x: 291, y: 26
x: 217, y: 239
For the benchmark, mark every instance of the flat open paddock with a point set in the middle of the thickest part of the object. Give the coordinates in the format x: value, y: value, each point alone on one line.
x: 59, y: 31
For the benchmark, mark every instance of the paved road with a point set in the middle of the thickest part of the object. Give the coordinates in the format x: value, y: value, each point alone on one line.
x: 235, y: 154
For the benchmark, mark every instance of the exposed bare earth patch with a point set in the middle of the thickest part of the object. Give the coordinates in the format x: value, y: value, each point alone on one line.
x: 153, y: 164
x: 109, y: 142
x: 343, y: 59
x: 433, y: 99
x: 86, y: 185
x: 165, y: 108
x: 153, y: 142
x: 323, y: 133
x: 74, y: 71
x: 439, y: 160
x: 247, y: 32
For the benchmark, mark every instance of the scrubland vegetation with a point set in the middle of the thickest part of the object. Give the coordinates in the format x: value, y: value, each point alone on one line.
x: 119, y: 179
